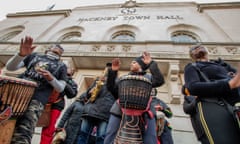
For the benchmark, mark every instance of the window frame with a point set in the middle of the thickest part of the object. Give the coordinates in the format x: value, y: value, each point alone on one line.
x: 10, y: 35
x: 181, y: 37
x: 73, y: 34
x: 130, y: 36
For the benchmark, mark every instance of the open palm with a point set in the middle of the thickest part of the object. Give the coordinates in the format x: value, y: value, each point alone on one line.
x: 26, y: 46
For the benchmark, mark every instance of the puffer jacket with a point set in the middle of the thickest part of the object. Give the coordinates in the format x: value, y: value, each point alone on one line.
x: 71, y: 120
x: 100, y: 108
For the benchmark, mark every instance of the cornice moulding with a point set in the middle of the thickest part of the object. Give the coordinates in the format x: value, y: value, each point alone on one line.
x: 209, y: 6
x: 65, y: 12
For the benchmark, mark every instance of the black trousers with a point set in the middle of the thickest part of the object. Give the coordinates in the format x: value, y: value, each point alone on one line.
x: 213, y: 123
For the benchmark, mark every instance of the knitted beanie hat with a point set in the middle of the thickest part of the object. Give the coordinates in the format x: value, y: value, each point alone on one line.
x: 140, y: 62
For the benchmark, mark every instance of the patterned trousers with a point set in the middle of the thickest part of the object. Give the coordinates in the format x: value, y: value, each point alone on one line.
x: 26, y: 124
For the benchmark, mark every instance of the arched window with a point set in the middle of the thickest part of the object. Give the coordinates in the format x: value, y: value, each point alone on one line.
x: 72, y: 36
x: 10, y: 35
x: 184, y: 36
x: 123, y: 36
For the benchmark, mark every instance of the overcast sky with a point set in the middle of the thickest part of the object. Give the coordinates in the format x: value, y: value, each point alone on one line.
x: 12, y: 6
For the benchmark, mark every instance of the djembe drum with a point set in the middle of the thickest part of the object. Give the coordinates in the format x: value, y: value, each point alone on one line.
x: 15, y: 95
x: 134, y: 99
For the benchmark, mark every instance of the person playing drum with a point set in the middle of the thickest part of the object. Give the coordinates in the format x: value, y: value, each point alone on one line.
x: 137, y: 69
x: 48, y: 71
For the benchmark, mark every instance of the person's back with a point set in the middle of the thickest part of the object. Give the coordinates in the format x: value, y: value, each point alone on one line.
x: 71, y: 120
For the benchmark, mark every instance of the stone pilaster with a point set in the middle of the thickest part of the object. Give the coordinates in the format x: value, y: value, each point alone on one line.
x: 172, y: 80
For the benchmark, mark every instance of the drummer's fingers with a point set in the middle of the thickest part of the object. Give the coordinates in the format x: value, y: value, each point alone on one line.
x: 29, y: 40
x: 39, y: 72
x: 146, y: 54
x: 115, y: 61
x: 42, y: 71
x: 33, y: 47
x: 45, y: 74
x: 21, y: 41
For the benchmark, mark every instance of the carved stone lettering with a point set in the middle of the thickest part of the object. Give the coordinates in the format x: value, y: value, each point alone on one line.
x: 131, y: 17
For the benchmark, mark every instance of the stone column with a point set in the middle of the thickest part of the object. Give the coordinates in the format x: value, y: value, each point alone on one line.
x: 172, y: 79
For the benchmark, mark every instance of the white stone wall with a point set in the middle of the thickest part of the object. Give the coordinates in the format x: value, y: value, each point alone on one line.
x: 217, y: 26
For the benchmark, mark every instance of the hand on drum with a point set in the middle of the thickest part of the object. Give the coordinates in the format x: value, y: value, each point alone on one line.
x: 46, y: 74
x: 26, y: 46
x: 116, y: 64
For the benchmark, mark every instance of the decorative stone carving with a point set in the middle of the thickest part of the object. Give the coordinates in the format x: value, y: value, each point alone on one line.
x: 111, y: 48
x: 212, y: 50
x: 126, y: 48
x: 129, y: 4
x: 231, y: 50
x: 96, y: 48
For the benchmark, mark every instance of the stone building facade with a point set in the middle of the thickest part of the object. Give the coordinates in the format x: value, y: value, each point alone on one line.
x: 94, y: 35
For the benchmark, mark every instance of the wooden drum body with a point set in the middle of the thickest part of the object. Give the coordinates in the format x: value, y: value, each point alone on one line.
x: 134, y: 92
x: 15, y: 95
x: 134, y: 95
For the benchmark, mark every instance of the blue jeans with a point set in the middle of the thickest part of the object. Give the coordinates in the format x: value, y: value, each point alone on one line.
x: 87, y: 127
x: 149, y: 136
x: 112, y: 129
x: 166, y: 136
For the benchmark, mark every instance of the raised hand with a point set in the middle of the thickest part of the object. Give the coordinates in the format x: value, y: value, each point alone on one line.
x: 26, y: 46
x: 116, y: 64
x: 235, y: 81
x: 146, y: 58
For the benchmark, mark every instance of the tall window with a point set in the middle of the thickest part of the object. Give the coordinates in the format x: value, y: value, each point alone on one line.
x: 184, y: 36
x: 123, y: 36
x: 9, y: 35
x: 73, y: 36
